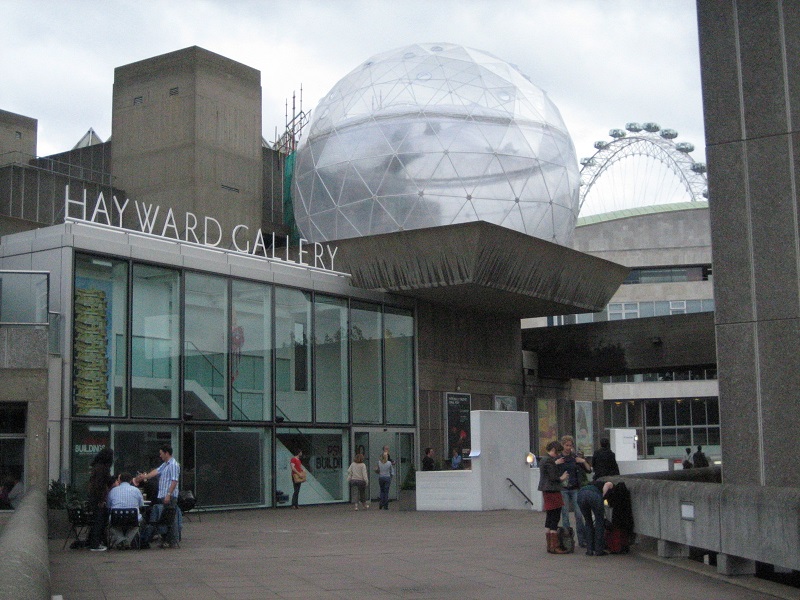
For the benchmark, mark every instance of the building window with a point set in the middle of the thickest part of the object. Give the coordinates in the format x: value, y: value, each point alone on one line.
x: 155, y: 345
x: 100, y: 337
x: 251, y: 351
x: 173, y: 91
x: 12, y: 452
x: 17, y: 135
x: 365, y: 349
x: 138, y: 100
x: 324, y: 457
x: 292, y: 355
x: 331, y: 380
x: 399, y: 366
x: 205, y: 347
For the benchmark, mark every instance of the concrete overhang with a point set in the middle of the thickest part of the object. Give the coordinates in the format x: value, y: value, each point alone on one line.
x: 626, y: 346
x: 481, y: 266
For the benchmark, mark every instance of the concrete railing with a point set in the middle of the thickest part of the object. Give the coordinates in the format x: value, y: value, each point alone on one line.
x: 741, y: 524
x: 24, y: 557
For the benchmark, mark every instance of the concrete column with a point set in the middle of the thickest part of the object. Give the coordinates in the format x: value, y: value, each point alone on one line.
x: 668, y: 549
x: 735, y: 565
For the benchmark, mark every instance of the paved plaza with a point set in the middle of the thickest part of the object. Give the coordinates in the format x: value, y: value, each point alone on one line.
x: 334, y: 552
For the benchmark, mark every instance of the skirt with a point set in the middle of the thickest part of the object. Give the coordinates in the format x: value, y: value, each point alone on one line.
x: 552, y: 500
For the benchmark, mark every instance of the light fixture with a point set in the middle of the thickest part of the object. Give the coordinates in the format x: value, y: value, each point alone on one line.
x: 531, y: 460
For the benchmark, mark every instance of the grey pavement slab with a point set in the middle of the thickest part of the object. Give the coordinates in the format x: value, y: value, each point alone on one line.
x: 334, y: 552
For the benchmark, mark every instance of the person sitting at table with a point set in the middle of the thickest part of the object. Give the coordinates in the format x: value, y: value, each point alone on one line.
x: 124, y: 495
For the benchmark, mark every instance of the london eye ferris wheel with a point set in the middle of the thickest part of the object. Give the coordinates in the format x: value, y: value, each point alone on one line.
x: 641, y: 165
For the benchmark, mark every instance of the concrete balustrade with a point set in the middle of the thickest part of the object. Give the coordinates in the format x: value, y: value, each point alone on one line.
x: 24, y: 557
x: 741, y: 524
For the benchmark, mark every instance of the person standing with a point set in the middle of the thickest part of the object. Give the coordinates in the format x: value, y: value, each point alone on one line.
x: 570, y: 463
x: 604, y: 462
x: 298, y: 476
x: 385, y: 471
x: 550, y: 479
x: 700, y: 459
x: 124, y: 495
x: 359, y: 480
x: 427, y: 460
x: 168, y: 473
x: 100, y: 482
x: 687, y: 461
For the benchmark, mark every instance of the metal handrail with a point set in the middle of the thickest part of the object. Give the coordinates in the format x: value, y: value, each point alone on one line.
x: 511, y: 481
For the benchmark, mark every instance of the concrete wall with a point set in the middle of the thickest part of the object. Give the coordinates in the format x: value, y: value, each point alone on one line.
x: 500, y: 443
x: 12, y: 124
x: 751, y: 523
x: 24, y: 376
x: 178, y: 149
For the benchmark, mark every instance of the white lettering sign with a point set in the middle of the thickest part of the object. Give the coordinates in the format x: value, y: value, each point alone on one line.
x: 313, y: 255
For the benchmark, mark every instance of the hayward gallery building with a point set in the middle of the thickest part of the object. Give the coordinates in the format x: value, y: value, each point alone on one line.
x: 182, y: 310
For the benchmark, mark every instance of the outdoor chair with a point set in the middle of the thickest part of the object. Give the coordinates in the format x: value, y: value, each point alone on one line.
x: 124, y: 519
x: 80, y: 520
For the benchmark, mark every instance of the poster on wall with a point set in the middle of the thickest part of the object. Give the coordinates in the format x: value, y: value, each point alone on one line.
x: 548, y: 423
x: 505, y: 403
x: 458, y: 434
x: 584, y: 431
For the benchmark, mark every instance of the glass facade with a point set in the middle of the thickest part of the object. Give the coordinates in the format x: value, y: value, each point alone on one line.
x: 235, y: 375
x: 667, y: 426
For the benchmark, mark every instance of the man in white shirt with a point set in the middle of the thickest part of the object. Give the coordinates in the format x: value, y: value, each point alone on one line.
x: 124, y: 495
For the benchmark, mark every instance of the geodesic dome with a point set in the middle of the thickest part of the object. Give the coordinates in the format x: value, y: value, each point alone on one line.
x: 430, y: 135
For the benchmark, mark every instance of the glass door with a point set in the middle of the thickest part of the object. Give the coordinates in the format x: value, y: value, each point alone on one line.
x: 371, y: 444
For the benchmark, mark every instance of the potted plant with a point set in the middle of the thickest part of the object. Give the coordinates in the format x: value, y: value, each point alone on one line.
x: 59, y: 497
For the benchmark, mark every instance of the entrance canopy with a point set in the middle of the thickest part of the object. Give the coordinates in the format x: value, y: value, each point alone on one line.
x: 481, y: 266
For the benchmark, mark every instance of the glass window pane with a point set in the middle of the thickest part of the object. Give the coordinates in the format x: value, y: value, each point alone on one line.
x: 330, y: 359
x: 684, y: 411
x: 684, y: 437
x: 667, y: 412
x: 652, y: 414
x: 653, y: 441
x: 205, y: 355
x: 100, y: 337
x: 365, y: 349
x: 646, y: 309
x: 292, y: 356
x: 662, y: 308
x: 700, y: 436
x: 699, y: 411
x: 713, y: 436
x: 251, y: 356
x: 399, y: 366
x: 712, y: 406
x: 693, y: 306
x: 155, y: 345
x: 323, y: 459
x: 12, y: 418
x: 135, y: 449
x: 212, y: 449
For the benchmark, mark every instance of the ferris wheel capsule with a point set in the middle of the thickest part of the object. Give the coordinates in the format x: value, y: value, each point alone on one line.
x: 587, y: 162
x: 699, y: 167
x: 601, y: 144
x: 685, y: 147
x: 634, y: 127
x: 668, y: 134
x: 651, y: 127
x: 617, y: 133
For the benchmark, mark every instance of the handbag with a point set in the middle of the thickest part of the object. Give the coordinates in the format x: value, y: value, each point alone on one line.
x: 299, y: 477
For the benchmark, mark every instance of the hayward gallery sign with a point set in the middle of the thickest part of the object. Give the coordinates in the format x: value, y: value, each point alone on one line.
x: 209, y: 234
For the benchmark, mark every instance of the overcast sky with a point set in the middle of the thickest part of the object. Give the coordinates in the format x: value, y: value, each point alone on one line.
x: 603, y: 63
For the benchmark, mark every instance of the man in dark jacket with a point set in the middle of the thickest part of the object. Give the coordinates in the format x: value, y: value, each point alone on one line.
x: 699, y: 458
x: 604, y: 462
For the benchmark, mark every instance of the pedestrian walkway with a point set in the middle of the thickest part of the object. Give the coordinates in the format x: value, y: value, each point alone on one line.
x: 334, y: 552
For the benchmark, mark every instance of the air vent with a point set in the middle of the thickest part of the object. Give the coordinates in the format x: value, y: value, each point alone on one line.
x: 173, y: 91
x: 229, y: 188
x: 138, y: 100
